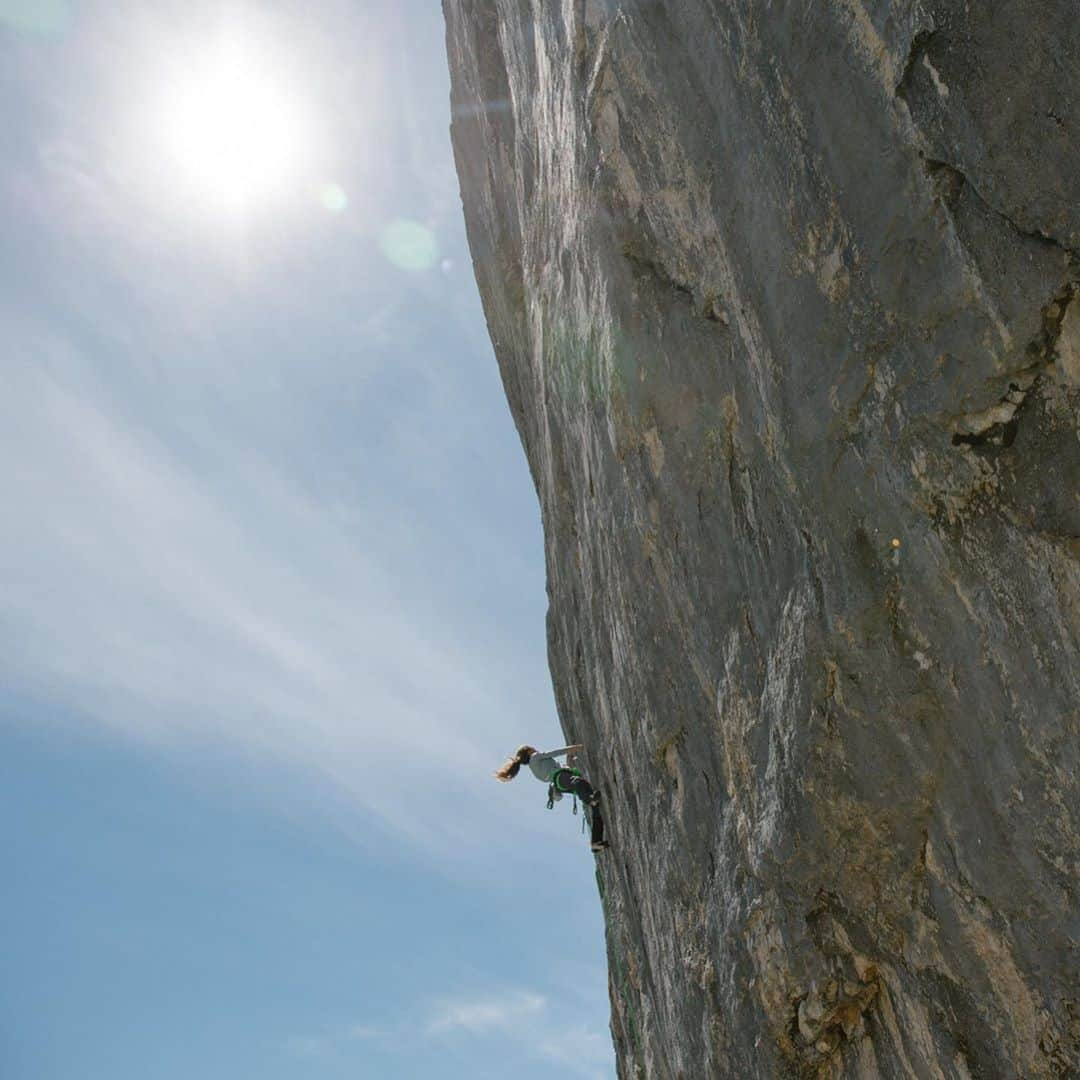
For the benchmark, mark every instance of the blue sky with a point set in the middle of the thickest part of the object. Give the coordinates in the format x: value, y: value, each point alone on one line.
x: 271, y: 582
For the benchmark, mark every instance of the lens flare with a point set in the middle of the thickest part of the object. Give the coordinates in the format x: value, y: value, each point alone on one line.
x: 409, y: 246
x: 333, y: 198
x: 36, y: 16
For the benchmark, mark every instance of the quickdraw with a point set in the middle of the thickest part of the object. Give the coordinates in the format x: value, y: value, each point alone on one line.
x: 551, y: 798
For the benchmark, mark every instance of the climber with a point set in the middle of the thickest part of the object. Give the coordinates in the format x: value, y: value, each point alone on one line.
x: 561, y: 780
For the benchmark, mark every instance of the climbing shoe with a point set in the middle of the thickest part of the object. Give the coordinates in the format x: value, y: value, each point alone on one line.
x: 599, y: 845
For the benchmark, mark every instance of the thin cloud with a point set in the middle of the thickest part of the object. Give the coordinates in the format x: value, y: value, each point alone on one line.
x: 365, y: 1031
x: 553, y: 1033
x: 331, y: 1042
x: 138, y: 593
x: 241, y: 508
x: 307, y: 1047
x: 579, y: 1047
x: 482, y: 1015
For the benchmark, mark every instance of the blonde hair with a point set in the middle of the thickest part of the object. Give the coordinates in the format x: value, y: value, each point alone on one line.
x: 510, y: 769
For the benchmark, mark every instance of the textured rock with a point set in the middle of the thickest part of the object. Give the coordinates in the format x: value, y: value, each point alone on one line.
x: 785, y: 299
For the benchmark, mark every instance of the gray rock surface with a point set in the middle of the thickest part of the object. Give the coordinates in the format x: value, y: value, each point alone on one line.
x: 786, y: 300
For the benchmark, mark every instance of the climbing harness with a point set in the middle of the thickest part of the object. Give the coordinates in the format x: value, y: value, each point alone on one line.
x: 555, y: 792
x: 569, y: 769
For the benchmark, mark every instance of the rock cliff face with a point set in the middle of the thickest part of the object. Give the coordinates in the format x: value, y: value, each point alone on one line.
x: 786, y: 299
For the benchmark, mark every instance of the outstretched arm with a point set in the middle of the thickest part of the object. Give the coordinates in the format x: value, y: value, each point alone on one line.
x: 571, y: 752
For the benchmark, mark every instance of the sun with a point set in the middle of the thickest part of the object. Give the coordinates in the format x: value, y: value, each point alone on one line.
x: 230, y: 130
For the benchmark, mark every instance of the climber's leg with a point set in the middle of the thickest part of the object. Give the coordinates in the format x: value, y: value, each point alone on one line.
x: 572, y: 782
x: 596, y: 824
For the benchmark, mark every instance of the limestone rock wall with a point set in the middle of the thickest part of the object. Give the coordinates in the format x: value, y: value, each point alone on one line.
x: 786, y: 300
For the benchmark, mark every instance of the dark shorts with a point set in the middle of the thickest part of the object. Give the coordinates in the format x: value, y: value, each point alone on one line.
x: 567, y: 779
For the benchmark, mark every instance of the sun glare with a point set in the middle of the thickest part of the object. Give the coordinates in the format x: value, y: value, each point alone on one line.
x: 231, y: 130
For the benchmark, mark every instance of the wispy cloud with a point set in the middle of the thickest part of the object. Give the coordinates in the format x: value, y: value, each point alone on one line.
x: 365, y: 1031
x: 479, y: 1015
x: 332, y: 1041
x: 140, y: 592
x: 579, y: 1047
x: 546, y: 1028
x: 307, y: 1047
x: 245, y: 501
